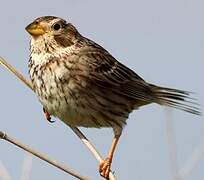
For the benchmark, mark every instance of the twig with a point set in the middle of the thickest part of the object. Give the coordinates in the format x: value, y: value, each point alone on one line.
x: 15, y: 72
x: 91, y: 148
x: 87, y: 143
x: 75, y: 130
x: 41, y: 156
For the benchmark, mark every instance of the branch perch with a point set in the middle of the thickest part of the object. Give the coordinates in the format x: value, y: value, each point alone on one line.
x: 41, y: 156
x: 82, y: 137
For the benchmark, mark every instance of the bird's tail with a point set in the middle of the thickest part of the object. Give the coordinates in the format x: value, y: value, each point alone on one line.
x: 176, y: 98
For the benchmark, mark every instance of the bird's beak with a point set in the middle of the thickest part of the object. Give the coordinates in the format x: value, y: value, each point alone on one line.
x: 35, y: 29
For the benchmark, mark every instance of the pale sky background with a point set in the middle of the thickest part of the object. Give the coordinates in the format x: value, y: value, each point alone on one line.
x: 162, y: 40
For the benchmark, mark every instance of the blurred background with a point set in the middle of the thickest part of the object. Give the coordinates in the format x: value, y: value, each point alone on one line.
x: 161, y: 40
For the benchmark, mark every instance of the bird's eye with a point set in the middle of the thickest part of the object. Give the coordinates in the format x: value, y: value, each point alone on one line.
x: 56, y: 27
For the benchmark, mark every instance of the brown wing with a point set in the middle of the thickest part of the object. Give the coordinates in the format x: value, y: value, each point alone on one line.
x: 107, y: 72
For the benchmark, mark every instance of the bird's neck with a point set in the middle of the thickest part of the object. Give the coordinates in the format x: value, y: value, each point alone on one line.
x: 43, y: 49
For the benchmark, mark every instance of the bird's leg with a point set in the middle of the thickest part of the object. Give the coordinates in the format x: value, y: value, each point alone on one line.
x: 104, y: 167
x: 47, y: 115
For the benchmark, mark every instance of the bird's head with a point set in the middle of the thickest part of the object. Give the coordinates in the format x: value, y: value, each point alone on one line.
x: 53, y: 28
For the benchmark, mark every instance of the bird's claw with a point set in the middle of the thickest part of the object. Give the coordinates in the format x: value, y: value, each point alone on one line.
x: 47, y: 116
x: 104, y: 168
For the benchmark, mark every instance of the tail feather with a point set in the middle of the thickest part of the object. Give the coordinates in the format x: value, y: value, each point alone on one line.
x: 176, y: 98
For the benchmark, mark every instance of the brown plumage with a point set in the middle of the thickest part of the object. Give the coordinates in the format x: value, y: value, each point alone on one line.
x: 82, y: 84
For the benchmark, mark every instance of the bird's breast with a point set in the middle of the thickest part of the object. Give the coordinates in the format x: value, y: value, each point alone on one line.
x: 53, y: 84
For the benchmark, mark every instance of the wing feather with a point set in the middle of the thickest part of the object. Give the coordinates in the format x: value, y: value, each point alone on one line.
x: 107, y: 72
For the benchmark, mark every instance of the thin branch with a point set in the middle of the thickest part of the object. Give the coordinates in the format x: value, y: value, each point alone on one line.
x: 41, y: 156
x: 75, y: 130
x: 15, y: 72
x: 90, y: 146
x: 87, y: 143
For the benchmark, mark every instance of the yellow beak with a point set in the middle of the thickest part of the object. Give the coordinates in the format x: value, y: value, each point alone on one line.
x: 35, y: 29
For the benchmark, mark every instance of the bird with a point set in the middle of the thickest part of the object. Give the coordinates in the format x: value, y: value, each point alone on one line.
x: 82, y: 84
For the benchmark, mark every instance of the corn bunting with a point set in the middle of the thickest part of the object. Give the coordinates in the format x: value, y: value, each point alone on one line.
x: 82, y: 84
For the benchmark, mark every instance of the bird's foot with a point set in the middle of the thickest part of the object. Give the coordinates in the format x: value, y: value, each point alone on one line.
x: 104, y: 168
x: 47, y: 116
